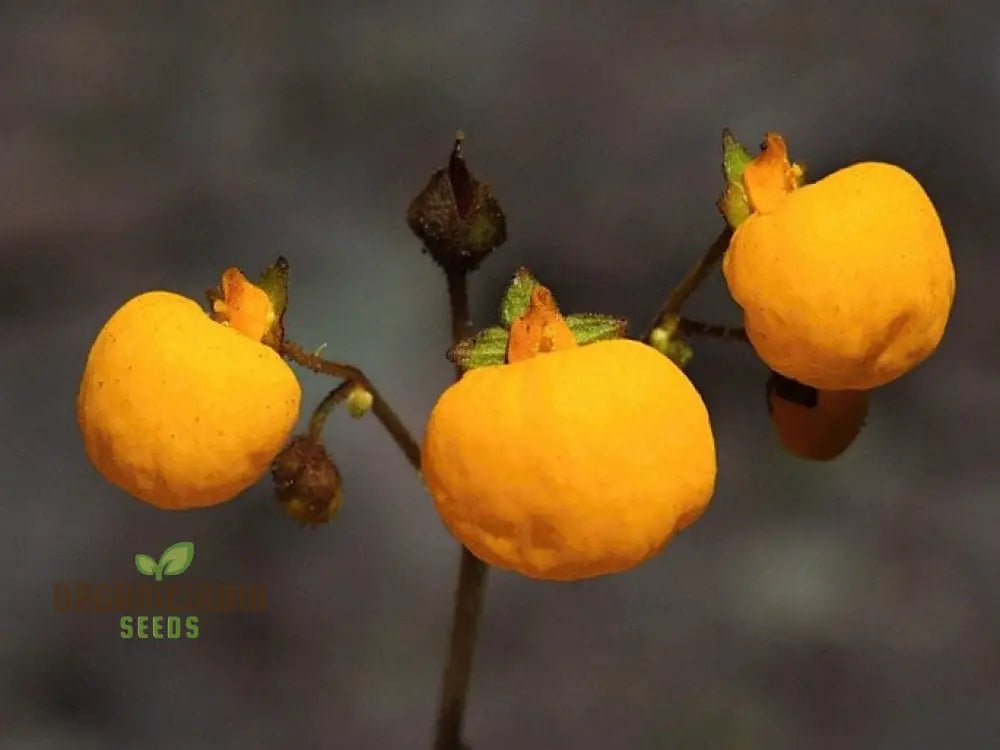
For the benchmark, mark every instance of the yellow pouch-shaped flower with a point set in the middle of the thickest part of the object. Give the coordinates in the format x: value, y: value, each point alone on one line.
x: 846, y: 283
x: 182, y: 411
x: 570, y: 461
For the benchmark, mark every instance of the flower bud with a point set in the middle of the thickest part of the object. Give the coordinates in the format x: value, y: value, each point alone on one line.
x: 456, y: 216
x: 359, y: 402
x: 666, y: 339
x: 307, y: 482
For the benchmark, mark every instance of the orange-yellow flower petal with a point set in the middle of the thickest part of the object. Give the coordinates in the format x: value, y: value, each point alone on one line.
x: 245, y: 306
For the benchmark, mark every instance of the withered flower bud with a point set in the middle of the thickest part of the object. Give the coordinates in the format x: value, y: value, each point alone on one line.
x: 307, y: 482
x: 456, y: 216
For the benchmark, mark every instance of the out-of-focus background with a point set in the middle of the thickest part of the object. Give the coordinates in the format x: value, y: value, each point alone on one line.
x: 150, y: 145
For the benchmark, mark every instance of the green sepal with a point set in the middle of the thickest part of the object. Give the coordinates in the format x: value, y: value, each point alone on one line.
x: 489, y: 347
x: 735, y: 158
x: 734, y: 203
x: 485, y: 349
x: 274, y: 282
x: 590, y: 327
x: 517, y: 297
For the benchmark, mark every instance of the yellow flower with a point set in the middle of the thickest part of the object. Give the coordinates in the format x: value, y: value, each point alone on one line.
x: 846, y: 283
x: 182, y: 411
x: 569, y: 461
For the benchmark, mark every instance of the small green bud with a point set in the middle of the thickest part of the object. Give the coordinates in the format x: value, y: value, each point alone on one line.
x: 659, y: 339
x: 359, y: 402
x: 667, y: 340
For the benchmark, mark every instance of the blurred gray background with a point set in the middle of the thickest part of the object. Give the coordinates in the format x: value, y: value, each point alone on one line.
x: 150, y: 145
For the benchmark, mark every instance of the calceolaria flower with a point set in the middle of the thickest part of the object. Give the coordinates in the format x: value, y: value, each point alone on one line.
x: 846, y: 283
x: 182, y: 409
x: 569, y: 461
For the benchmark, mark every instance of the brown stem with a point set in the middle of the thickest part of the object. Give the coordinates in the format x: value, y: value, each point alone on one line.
x: 698, y: 328
x: 458, y: 302
x: 380, y: 408
x: 471, y: 579
x: 323, y: 409
x: 692, y: 280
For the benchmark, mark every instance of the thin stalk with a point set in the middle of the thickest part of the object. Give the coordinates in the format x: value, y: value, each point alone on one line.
x: 698, y: 273
x: 323, y: 409
x: 380, y: 407
x: 471, y: 580
x: 698, y: 328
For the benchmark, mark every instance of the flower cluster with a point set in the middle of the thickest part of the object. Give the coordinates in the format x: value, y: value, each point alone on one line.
x: 566, y: 450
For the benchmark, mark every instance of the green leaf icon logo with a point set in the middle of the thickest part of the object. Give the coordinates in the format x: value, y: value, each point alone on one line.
x: 145, y: 565
x: 175, y: 560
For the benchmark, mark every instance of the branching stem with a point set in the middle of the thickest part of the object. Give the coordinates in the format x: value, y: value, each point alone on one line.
x: 472, y: 571
x: 323, y: 409
x: 698, y: 273
x: 380, y: 407
x: 698, y: 328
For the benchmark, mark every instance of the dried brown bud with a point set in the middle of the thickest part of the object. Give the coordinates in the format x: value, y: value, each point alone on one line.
x: 456, y: 216
x: 307, y: 482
